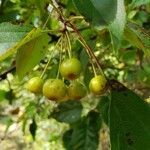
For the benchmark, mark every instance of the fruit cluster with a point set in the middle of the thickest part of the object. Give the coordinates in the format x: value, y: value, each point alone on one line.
x: 56, y: 89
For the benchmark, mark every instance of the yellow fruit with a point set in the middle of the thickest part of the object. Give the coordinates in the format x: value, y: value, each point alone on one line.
x: 54, y: 89
x: 35, y: 85
x: 70, y: 68
x: 97, y: 85
x: 76, y: 91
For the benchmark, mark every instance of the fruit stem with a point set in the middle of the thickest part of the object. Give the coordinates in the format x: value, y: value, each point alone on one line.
x: 69, y: 44
x: 46, y: 66
x: 44, y: 26
x: 8, y: 83
x: 54, y: 3
x: 75, y: 17
x: 50, y: 58
x: 94, y: 70
x: 60, y: 57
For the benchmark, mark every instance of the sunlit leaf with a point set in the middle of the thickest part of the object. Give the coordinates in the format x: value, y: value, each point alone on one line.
x: 117, y: 27
x: 2, y: 95
x: 138, y: 37
x: 30, y: 54
x: 133, y: 38
x: 107, y: 9
x: 12, y: 37
x: 97, y: 12
x: 30, y: 110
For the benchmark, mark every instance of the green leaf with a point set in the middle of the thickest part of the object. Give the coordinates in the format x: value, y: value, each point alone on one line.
x: 7, y: 121
x: 129, y: 57
x: 107, y: 9
x: 33, y: 128
x: 2, y: 95
x: 30, y: 54
x: 8, y: 124
x: 68, y: 112
x: 117, y: 27
x: 10, y: 36
x: 138, y: 37
x: 87, y: 76
x: 87, y: 9
x: 30, y: 110
x: 114, y: 17
x: 136, y: 3
x: 9, y: 16
x: 85, y: 135
x: 52, y: 73
x: 103, y: 108
x: 97, y: 12
x: 10, y: 96
x: 129, y: 120
x: 84, y: 58
x: 24, y: 124
x: 66, y: 139
x: 133, y: 38
x: 143, y: 75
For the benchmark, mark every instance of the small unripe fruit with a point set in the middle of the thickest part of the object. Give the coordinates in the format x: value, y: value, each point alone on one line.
x: 35, y: 85
x: 97, y: 85
x: 54, y: 89
x: 70, y: 68
x: 76, y: 90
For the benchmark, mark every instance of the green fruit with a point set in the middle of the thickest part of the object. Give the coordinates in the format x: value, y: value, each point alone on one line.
x: 76, y: 90
x: 70, y: 68
x: 97, y: 85
x: 54, y: 89
x: 35, y: 85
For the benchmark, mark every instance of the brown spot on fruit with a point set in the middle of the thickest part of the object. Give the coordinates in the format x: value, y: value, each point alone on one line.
x: 71, y: 76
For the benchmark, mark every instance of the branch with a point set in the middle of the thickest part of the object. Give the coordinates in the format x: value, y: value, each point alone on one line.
x: 4, y: 74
